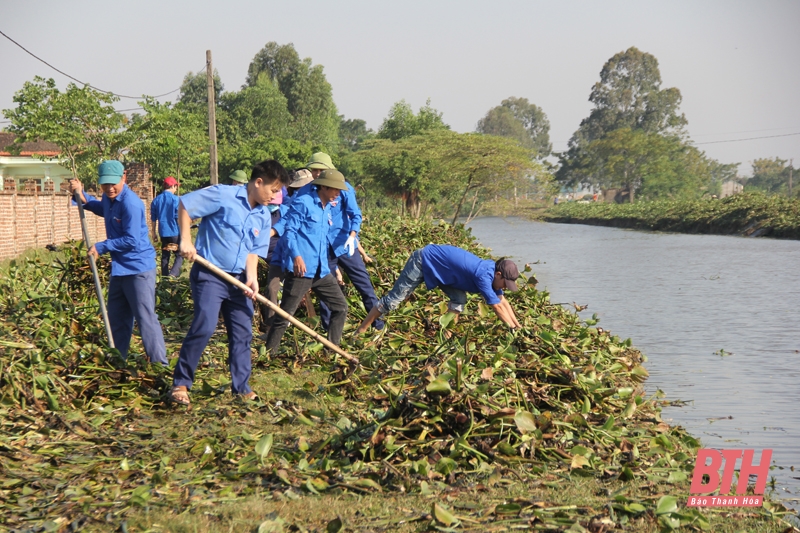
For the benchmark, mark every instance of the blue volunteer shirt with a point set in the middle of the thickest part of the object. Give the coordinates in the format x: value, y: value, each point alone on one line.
x: 277, y: 252
x: 306, y: 228
x: 345, y: 214
x: 230, y: 230
x: 127, y: 237
x: 451, y: 266
x: 165, y: 209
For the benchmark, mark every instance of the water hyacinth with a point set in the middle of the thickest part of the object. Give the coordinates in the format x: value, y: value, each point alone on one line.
x: 85, y: 438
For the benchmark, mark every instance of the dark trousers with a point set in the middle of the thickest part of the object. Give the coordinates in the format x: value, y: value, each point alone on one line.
x: 212, y: 295
x: 326, y: 289
x: 175, y: 271
x: 274, y: 279
x: 355, y: 269
x: 134, y: 296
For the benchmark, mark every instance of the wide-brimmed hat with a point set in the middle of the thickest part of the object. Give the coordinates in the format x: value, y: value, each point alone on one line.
x: 239, y: 176
x: 509, y: 271
x: 110, y: 172
x: 301, y: 177
x: 321, y: 160
x: 331, y: 178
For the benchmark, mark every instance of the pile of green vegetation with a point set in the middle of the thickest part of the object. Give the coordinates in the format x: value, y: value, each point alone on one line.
x: 753, y: 214
x: 443, y: 426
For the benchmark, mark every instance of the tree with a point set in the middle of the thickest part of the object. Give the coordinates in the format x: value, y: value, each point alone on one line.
x: 81, y: 121
x: 257, y: 111
x: 770, y: 175
x: 194, y: 90
x: 402, y: 122
x: 521, y: 120
x: 352, y: 133
x: 172, y: 140
x: 309, y: 96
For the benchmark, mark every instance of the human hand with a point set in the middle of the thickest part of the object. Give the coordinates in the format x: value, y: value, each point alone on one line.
x: 75, y: 186
x: 299, y: 267
x: 339, y: 278
x: 187, y: 250
x: 93, y: 252
x: 252, y: 291
x: 350, y: 245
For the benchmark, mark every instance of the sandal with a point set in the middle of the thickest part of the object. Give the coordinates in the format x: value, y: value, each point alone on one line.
x: 250, y: 396
x: 180, y: 395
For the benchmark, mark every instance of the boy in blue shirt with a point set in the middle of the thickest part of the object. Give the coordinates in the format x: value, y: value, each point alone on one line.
x: 164, y: 212
x: 132, y: 288
x: 234, y: 231
x: 456, y: 272
x: 305, y: 257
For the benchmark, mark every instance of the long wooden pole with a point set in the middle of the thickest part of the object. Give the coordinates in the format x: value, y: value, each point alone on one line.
x: 95, y: 275
x: 212, y: 119
x: 316, y: 336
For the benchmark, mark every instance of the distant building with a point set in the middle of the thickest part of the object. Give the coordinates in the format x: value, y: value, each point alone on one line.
x: 17, y: 171
x: 730, y: 187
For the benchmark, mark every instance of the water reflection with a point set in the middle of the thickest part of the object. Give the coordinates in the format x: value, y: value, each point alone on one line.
x: 682, y: 299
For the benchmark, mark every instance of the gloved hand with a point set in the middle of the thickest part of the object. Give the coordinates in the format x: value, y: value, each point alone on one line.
x: 350, y: 245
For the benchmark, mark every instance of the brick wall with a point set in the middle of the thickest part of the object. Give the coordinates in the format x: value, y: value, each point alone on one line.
x: 34, y: 219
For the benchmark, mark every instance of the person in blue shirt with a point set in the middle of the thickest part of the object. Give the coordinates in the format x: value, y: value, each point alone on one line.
x: 132, y: 288
x: 305, y: 257
x: 164, y: 212
x: 234, y: 231
x: 343, y: 240
x: 456, y: 272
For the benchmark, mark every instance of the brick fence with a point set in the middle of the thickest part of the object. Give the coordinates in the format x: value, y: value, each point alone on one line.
x: 33, y: 219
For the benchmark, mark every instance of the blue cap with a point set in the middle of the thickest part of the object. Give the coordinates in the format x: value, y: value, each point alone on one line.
x: 110, y: 172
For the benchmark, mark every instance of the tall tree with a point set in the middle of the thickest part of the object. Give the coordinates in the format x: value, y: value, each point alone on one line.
x: 194, y: 90
x: 80, y: 120
x: 521, y: 120
x: 309, y: 96
x: 352, y: 133
x: 771, y: 175
x: 256, y: 111
x: 172, y: 140
x: 402, y: 122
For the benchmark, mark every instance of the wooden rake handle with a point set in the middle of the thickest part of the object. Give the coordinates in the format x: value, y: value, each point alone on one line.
x: 316, y: 336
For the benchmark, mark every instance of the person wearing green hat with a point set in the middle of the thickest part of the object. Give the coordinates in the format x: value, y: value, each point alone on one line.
x: 343, y: 241
x: 132, y: 287
x: 305, y: 256
x: 238, y: 178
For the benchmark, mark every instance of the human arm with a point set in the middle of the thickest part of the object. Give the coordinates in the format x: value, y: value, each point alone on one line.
x: 251, y: 276
x: 186, y: 249
x: 293, y: 222
x: 366, y: 258
x: 506, y: 313
x: 90, y: 203
x: 125, y: 217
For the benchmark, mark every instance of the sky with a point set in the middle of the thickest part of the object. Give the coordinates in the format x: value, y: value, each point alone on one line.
x: 735, y: 62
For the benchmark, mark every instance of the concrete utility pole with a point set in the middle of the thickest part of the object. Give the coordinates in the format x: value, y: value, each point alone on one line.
x: 212, y: 119
x: 791, y: 167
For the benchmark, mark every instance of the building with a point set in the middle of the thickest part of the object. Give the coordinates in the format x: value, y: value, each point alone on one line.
x: 730, y: 187
x: 17, y: 171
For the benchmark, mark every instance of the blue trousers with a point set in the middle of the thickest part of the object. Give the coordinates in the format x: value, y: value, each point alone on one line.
x: 134, y: 296
x: 355, y: 269
x: 212, y: 295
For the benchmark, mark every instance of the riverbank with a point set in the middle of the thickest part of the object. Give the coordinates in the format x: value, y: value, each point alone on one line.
x: 548, y: 428
x: 750, y: 214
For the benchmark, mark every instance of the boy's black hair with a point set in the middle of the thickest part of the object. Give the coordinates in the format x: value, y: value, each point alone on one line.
x: 270, y: 171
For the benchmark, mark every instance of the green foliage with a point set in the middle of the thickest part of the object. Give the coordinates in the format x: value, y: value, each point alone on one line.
x: 521, y: 120
x: 352, y: 133
x: 751, y: 213
x: 289, y: 152
x: 81, y: 121
x: 194, y: 90
x: 309, y: 96
x: 172, y: 140
x: 401, y: 121
x: 772, y: 176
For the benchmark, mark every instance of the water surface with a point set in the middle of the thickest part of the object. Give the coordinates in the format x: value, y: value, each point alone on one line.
x: 682, y: 299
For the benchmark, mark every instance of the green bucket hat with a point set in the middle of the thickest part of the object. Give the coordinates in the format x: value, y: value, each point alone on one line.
x: 331, y: 178
x: 239, y: 176
x: 321, y: 160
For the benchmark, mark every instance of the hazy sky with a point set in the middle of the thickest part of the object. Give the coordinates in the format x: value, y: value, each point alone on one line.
x: 735, y: 63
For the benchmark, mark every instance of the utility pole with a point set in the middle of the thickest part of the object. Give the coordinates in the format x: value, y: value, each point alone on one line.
x: 212, y: 119
x: 791, y: 167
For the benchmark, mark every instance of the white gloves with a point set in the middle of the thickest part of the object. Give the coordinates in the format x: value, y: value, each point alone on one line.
x: 350, y: 245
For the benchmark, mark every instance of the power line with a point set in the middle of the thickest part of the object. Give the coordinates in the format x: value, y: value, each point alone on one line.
x: 735, y: 132
x: 76, y: 79
x: 750, y: 138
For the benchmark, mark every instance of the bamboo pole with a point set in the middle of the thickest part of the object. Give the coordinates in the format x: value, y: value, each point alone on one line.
x: 316, y: 336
